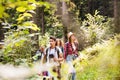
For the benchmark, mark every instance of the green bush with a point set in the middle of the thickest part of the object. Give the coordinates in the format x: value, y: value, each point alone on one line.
x: 18, y: 47
x: 44, y: 40
x: 97, y: 28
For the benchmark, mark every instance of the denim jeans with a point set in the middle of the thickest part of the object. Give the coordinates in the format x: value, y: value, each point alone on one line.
x: 72, y: 71
x: 73, y: 75
x: 71, y: 57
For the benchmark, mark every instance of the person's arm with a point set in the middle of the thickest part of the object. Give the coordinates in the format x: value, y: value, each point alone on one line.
x: 76, y: 50
x: 44, y: 56
x: 65, y: 51
x: 60, y: 59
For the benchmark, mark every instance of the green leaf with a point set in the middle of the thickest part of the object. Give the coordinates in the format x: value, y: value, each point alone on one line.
x: 26, y: 31
x: 27, y: 23
x: 31, y: 1
x: 11, y: 5
x: 47, y: 5
x: 21, y: 9
x: 20, y: 42
x: 34, y: 27
x: 12, y: 0
x: 5, y: 14
x: 20, y: 18
x: 1, y: 11
x: 27, y: 15
x: 31, y: 7
x: 8, y: 49
x: 22, y: 3
x: 41, y: 3
x: 31, y: 26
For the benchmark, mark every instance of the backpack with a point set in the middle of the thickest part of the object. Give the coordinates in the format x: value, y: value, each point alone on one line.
x: 38, y: 55
x: 45, y: 57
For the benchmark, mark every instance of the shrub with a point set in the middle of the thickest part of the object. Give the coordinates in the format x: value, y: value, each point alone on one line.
x: 97, y: 28
x: 18, y: 47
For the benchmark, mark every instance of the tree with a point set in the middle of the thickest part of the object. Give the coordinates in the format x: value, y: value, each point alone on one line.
x: 38, y: 19
x: 117, y: 15
x: 89, y: 6
x: 1, y: 33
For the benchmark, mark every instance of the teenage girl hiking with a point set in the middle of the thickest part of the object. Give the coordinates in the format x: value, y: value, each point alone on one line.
x: 71, y: 53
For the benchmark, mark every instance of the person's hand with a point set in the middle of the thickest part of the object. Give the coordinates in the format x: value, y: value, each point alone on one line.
x: 40, y: 74
x: 55, y: 59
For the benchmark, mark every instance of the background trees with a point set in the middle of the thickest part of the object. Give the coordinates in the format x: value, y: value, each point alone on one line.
x: 65, y: 15
x: 35, y: 18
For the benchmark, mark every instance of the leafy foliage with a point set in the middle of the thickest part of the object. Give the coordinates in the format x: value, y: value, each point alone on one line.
x: 44, y: 40
x: 53, y: 24
x: 89, y: 6
x: 97, y: 28
x: 18, y: 45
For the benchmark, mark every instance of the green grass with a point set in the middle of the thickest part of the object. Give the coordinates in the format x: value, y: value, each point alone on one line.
x: 103, y: 61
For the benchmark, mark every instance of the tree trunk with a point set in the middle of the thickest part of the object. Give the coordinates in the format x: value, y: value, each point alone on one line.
x: 42, y: 21
x: 1, y: 36
x: 115, y: 8
x: 117, y: 15
x: 1, y: 33
x: 89, y: 6
x: 65, y: 19
x: 38, y: 19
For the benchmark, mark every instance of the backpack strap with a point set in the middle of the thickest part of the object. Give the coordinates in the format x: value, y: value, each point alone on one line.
x: 46, y: 54
x: 58, y: 52
x: 67, y: 48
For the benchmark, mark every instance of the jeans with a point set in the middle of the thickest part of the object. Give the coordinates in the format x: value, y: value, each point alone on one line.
x: 73, y: 76
x: 71, y: 57
x: 72, y: 71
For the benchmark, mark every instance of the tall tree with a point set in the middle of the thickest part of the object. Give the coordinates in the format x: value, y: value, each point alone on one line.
x: 117, y: 15
x: 65, y: 19
x: 38, y: 19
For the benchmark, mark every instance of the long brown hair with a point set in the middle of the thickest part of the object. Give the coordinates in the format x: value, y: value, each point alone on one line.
x: 61, y: 43
x: 70, y: 40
